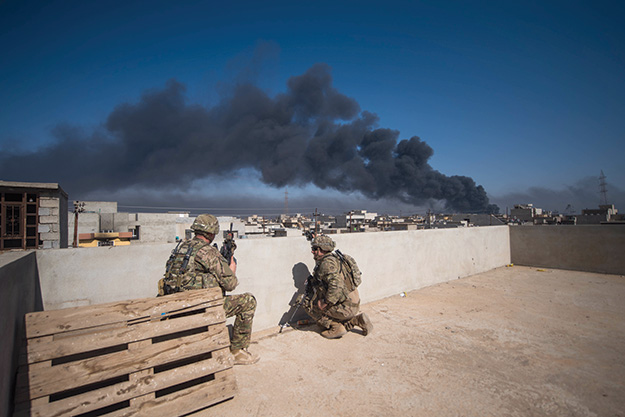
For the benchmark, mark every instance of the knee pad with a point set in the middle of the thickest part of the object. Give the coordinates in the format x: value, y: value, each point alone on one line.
x: 252, y: 300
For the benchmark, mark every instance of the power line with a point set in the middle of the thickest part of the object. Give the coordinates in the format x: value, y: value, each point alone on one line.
x: 211, y: 208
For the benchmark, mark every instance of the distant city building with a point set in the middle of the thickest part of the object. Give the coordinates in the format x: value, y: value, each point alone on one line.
x: 477, y: 219
x: 605, y: 213
x: 101, y: 225
x: 525, y: 212
x: 355, y: 220
x: 287, y: 232
x: 32, y: 216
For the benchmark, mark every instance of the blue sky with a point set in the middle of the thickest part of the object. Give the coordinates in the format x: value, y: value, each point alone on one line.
x: 526, y: 98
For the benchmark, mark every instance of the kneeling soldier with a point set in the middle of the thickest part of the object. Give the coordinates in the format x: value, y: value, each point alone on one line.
x: 335, y: 302
x: 206, y: 268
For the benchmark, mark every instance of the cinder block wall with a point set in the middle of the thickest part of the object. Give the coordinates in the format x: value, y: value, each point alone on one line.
x: 592, y: 248
x: 274, y: 269
x: 52, y: 220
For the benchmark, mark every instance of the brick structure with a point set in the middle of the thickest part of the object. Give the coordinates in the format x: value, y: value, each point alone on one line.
x: 32, y: 216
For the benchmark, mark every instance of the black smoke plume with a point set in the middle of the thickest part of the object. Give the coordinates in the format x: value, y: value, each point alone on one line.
x: 310, y: 134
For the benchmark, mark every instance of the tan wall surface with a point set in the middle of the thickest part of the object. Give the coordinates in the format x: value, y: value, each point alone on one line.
x: 592, y: 248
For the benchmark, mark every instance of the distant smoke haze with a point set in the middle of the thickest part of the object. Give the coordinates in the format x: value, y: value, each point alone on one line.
x: 311, y: 134
x: 583, y: 194
x: 240, y: 203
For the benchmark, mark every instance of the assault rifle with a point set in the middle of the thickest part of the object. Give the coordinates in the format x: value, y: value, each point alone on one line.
x: 228, y: 247
x: 301, y: 299
x: 340, y: 255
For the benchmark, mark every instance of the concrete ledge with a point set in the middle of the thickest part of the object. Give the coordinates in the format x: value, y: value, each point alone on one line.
x: 593, y: 248
x: 274, y: 270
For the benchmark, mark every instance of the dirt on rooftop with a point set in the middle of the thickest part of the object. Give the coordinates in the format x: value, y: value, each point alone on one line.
x: 514, y: 341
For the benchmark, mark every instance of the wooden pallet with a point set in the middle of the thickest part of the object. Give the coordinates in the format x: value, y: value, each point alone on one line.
x: 162, y: 356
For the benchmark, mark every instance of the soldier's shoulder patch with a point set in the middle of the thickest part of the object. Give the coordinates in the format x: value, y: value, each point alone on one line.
x: 329, y: 264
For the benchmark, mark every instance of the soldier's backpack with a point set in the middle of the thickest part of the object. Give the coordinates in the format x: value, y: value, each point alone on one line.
x: 176, y: 268
x: 353, y: 275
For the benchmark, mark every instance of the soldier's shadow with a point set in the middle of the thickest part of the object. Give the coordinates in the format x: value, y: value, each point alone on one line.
x: 293, y: 315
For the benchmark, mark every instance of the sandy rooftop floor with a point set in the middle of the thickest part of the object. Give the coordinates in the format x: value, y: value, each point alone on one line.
x: 514, y: 341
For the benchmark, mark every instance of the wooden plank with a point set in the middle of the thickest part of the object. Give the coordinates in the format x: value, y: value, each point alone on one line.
x: 88, y: 371
x: 75, y: 318
x: 23, y: 356
x: 142, y: 385
x: 134, y: 358
x: 47, y: 347
x: 188, y: 400
x: 135, y: 379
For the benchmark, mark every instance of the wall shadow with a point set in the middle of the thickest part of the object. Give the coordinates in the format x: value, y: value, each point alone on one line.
x: 21, y: 294
x: 300, y: 273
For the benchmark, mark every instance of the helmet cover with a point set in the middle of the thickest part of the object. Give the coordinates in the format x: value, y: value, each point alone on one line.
x: 324, y: 243
x: 206, y: 223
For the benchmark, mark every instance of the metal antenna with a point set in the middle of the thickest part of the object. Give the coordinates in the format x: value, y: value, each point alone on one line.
x: 602, y: 189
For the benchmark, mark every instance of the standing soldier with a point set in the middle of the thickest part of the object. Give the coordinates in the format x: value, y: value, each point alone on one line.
x: 335, y: 302
x: 205, y: 267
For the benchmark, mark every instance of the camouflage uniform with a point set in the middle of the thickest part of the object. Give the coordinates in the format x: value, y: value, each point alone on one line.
x: 328, y: 282
x: 208, y: 269
x: 334, y: 285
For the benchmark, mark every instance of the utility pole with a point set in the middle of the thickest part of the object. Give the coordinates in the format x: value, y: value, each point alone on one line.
x: 316, y: 224
x: 79, y: 207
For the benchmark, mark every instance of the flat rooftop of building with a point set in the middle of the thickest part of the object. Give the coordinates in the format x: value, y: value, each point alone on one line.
x: 514, y: 341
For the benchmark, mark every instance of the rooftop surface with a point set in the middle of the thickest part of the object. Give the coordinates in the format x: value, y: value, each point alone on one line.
x: 514, y: 341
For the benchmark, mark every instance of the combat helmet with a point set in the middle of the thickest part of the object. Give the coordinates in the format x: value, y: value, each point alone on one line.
x: 324, y: 243
x: 206, y: 223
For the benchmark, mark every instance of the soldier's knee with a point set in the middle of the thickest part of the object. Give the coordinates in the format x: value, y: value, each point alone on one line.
x: 251, y: 301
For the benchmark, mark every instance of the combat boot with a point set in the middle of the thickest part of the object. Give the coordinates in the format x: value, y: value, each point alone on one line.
x: 244, y: 357
x: 335, y: 331
x: 362, y: 321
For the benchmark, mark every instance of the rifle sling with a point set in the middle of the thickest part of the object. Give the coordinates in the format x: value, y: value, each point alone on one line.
x: 183, y: 268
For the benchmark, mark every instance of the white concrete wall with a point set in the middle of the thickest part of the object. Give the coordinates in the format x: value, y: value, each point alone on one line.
x: 162, y: 227
x: 87, y: 223
x: 86, y: 276
x: 19, y: 295
x: 274, y: 268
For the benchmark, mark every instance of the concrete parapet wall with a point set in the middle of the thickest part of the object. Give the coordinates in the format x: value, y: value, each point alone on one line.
x: 162, y: 227
x: 20, y: 294
x: 591, y: 248
x: 273, y: 269
x: 85, y: 276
